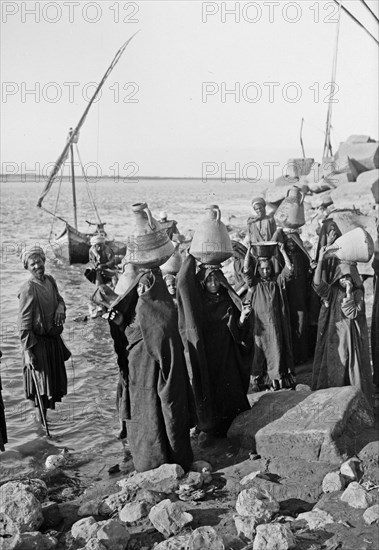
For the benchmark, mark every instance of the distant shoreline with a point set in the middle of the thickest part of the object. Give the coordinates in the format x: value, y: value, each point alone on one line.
x: 7, y: 178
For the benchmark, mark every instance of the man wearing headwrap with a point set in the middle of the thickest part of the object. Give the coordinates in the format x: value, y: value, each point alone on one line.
x: 342, y: 349
x: 272, y: 367
x: 102, y: 262
x: 41, y: 315
x: 157, y: 393
x: 212, y: 328
x: 259, y: 226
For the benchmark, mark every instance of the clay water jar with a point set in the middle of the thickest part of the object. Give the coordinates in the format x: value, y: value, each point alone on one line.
x: 148, y: 246
x: 354, y: 246
x: 291, y: 212
x: 211, y: 243
x: 174, y: 262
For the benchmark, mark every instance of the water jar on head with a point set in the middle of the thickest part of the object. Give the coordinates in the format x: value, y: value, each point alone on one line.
x: 356, y: 246
x: 291, y: 211
x: 148, y: 246
x: 211, y: 243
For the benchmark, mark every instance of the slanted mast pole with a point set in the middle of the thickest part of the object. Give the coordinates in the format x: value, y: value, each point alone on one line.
x: 73, y: 183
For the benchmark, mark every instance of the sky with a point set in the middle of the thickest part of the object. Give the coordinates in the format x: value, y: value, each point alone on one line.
x: 214, y: 88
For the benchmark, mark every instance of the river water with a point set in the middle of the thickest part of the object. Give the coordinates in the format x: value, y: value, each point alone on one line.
x: 86, y: 421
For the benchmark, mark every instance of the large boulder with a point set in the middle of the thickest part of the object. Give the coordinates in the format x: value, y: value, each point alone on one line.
x: 315, y: 426
x: 164, y: 479
x: 274, y: 536
x: 36, y: 541
x: 113, y: 535
x: 205, y: 538
x: 9, y: 532
x: 169, y: 518
x: 365, y: 156
x: 257, y: 503
x: 17, y: 502
x: 357, y: 496
x: 84, y: 530
x: 357, y: 195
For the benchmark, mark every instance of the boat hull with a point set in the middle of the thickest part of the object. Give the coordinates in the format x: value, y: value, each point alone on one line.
x: 73, y: 246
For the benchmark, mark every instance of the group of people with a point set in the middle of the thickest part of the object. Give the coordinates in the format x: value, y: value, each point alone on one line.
x: 188, y: 356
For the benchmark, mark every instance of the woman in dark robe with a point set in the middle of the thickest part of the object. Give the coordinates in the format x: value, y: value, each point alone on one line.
x: 212, y: 328
x: 375, y: 321
x: 272, y: 366
x: 342, y: 349
x: 298, y: 289
x: 41, y: 315
x: 3, y: 426
x: 158, y: 391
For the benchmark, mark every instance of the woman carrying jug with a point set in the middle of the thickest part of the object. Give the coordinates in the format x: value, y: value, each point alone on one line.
x: 342, y: 349
x: 157, y: 393
x: 212, y: 324
x: 272, y: 366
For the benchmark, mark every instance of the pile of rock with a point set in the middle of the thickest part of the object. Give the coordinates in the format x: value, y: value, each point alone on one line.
x: 23, y: 511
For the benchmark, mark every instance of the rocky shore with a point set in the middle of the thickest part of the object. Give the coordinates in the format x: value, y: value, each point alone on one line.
x: 300, y: 470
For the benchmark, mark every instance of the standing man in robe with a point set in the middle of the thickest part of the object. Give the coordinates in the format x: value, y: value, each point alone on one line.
x: 41, y: 316
x: 260, y: 227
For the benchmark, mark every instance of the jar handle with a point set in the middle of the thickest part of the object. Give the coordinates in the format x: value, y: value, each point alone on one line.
x: 218, y: 213
x: 150, y: 218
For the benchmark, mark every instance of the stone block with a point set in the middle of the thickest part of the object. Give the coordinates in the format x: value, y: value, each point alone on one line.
x: 356, y: 496
x: 276, y: 536
x: 364, y: 155
x: 113, y: 535
x: 205, y: 538
x: 17, y: 502
x: 257, y: 503
x: 165, y: 479
x: 316, y: 519
x: 370, y: 180
x: 84, y: 529
x: 36, y: 541
x: 320, y: 199
x: 245, y: 525
x: 371, y: 515
x: 133, y: 511
x: 354, y: 195
x: 169, y: 518
x: 333, y: 482
x: 316, y: 426
x: 9, y: 532
x: 180, y: 542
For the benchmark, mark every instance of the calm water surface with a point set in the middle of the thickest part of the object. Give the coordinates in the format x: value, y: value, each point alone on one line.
x: 86, y: 421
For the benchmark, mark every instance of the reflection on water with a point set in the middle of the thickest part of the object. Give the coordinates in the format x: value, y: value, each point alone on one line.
x: 86, y: 421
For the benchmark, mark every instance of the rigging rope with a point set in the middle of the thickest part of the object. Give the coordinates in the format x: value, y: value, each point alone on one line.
x: 88, y: 187
x: 357, y: 21
x: 327, y: 143
x: 56, y: 203
x: 370, y: 10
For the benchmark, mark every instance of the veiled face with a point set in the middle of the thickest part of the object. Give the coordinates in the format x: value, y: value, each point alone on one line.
x: 36, y: 266
x: 265, y: 269
x: 290, y: 245
x: 212, y: 284
x: 345, y: 280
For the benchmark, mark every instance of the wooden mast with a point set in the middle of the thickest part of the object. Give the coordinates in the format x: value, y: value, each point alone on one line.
x: 73, y: 181
x: 327, y: 144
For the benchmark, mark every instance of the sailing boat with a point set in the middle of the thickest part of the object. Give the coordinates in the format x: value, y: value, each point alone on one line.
x: 73, y: 245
